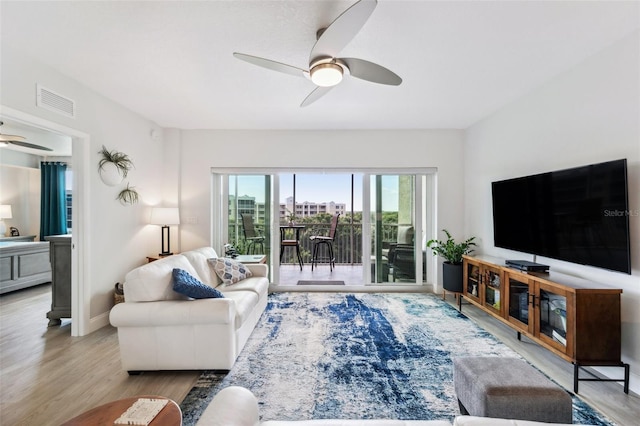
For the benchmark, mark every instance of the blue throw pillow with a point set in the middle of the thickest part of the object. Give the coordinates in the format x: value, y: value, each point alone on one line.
x: 187, y: 284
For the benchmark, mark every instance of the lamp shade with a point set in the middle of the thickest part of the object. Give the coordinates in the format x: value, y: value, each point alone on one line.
x: 5, y: 211
x: 165, y: 216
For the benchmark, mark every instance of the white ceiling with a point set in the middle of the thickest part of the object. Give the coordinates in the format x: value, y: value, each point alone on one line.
x: 172, y: 61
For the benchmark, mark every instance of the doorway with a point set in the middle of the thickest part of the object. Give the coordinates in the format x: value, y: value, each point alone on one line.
x: 80, y: 322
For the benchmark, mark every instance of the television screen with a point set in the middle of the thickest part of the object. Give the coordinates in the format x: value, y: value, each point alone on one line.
x: 579, y: 215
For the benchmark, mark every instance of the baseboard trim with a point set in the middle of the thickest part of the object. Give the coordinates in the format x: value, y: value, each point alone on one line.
x: 96, y: 323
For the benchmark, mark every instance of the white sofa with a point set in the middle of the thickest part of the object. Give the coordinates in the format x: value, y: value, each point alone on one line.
x: 159, y: 329
x: 237, y: 406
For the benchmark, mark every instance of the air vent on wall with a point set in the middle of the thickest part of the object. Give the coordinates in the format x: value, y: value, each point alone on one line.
x: 54, y: 102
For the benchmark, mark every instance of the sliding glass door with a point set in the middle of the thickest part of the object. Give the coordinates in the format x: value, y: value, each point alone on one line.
x: 385, y: 220
x: 396, y: 252
x: 249, y: 196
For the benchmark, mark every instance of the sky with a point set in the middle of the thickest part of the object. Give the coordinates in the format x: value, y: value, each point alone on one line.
x: 320, y: 188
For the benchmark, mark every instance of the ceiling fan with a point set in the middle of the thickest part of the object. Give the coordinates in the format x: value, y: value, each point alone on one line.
x: 326, y: 70
x: 19, y: 141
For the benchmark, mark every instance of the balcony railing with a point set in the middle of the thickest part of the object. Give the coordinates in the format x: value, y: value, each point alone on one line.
x: 347, y: 245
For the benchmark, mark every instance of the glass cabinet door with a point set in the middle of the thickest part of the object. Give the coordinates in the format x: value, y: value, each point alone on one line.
x: 472, y: 280
x: 553, y: 316
x: 519, y: 308
x: 492, y: 283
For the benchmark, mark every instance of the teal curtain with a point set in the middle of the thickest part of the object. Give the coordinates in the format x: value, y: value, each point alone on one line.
x: 53, y: 208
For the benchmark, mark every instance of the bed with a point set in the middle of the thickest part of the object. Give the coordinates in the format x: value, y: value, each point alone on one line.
x: 23, y: 264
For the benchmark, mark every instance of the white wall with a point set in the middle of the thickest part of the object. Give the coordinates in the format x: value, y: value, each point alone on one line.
x: 20, y: 188
x: 588, y: 114
x: 206, y: 149
x: 118, y: 237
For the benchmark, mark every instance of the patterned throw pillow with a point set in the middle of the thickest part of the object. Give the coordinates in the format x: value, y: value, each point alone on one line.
x: 230, y: 271
x: 187, y: 284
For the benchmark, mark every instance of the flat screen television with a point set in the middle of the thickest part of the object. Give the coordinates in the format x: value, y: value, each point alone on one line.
x: 578, y: 215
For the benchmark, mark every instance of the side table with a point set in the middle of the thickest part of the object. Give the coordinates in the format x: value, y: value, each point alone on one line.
x: 106, y: 414
x: 251, y: 258
x: 156, y: 257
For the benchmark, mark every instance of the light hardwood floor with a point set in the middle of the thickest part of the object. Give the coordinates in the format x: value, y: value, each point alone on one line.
x: 47, y: 377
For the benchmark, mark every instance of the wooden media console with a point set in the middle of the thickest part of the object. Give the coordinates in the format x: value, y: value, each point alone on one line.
x: 576, y: 319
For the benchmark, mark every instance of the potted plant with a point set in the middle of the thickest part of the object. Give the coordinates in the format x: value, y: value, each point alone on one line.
x: 291, y: 217
x: 113, y: 166
x: 128, y: 195
x: 452, y: 253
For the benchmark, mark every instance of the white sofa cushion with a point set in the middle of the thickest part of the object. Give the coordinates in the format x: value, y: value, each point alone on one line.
x: 258, y: 285
x: 245, y: 301
x: 153, y: 282
x: 198, y: 259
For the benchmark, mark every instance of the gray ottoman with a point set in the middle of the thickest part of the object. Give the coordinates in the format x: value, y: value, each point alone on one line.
x: 508, y: 388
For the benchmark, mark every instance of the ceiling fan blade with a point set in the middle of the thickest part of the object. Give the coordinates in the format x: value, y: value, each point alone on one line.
x: 342, y: 30
x: 30, y: 145
x: 369, y: 71
x: 317, y: 93
x: 272, y: 65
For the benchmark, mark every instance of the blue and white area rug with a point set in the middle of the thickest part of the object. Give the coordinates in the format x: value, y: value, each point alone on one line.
x: 356, y: 356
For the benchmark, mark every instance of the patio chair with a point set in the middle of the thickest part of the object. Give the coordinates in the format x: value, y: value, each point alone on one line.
x: 327, y: 240
x: 251, y: 236
x: 400, y: 254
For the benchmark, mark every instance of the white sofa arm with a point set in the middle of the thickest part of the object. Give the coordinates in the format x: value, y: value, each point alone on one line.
x: 232, y: 406
x: 173, y: 312
x: 258, y: 269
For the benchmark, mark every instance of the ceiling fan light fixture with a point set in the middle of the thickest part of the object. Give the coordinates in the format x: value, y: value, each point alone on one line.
x: 327, y: 74
x: 7, y: 139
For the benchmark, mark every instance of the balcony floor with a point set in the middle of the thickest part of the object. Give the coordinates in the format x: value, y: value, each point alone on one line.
x: 352, y: 275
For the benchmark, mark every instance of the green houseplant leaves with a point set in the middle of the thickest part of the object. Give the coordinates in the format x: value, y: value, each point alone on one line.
x: 121, y: 160
x: 128, y: 195
x: 450, y: 250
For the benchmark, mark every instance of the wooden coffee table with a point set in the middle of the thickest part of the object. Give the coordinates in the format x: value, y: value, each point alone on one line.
x: 108, y: 413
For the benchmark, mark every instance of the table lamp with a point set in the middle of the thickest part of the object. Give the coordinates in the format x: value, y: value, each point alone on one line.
x: 165, y: 216
x: 5, y: 213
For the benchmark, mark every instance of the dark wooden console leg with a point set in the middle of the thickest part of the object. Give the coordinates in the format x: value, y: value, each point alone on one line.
x: 595, y: 378
x: 626, y: 378
x: 519, y: 336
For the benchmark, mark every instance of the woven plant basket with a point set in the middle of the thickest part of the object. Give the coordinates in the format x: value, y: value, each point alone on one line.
x: 118, y: 294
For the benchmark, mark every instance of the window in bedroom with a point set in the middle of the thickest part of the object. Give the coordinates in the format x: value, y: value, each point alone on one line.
x: 69, y: 197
